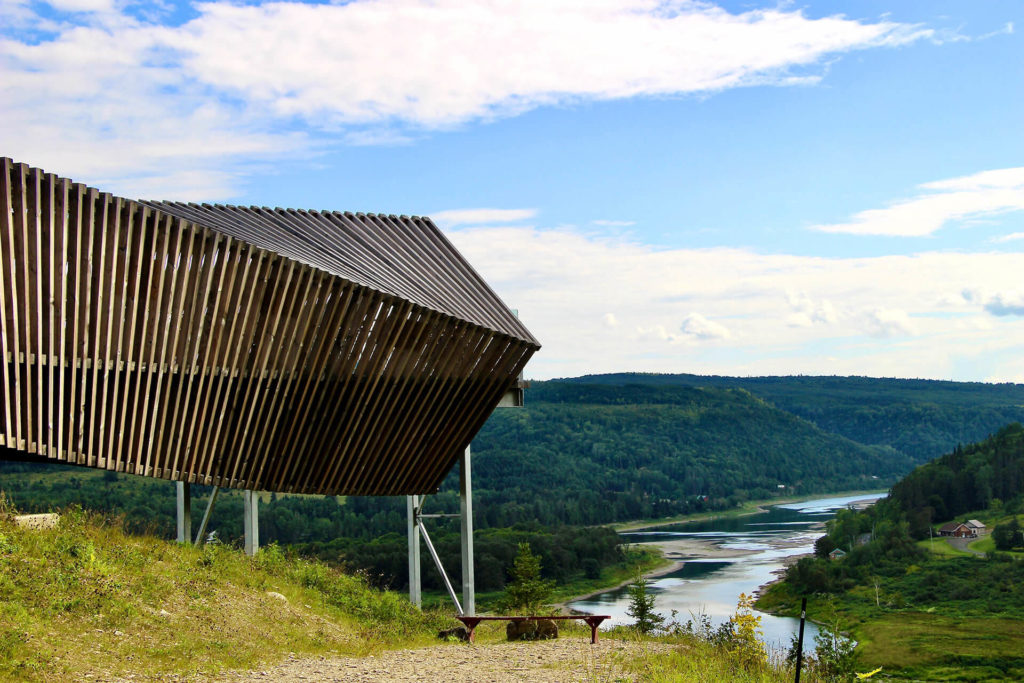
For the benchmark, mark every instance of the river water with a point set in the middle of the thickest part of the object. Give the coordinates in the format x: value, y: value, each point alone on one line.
x: 725, y: 557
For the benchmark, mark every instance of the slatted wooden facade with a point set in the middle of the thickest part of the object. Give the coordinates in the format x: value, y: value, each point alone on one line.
x: 269, y: 349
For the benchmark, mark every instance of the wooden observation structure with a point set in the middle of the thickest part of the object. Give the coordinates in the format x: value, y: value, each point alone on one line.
x: 243, y: 347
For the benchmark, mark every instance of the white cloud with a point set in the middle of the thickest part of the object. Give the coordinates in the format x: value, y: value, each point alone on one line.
x: 807, y: 313
x: 884, y: 322
x: 454, y: 217
x: 697, y: 326
x: 940, y: 203
x: 1012, y: 237
x: 104, y: 95
x: 614, y: 224
x: 610, y: 320
x: 891, y: 315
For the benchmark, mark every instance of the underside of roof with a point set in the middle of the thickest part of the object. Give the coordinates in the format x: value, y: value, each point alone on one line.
x: 269, y: 349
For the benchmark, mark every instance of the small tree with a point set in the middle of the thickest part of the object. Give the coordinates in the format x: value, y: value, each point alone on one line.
x: 527, y: 591
x: 1006, y: 536
x: 641, y: 607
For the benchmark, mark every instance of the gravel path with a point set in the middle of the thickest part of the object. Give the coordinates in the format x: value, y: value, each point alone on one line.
x: 551, y: 661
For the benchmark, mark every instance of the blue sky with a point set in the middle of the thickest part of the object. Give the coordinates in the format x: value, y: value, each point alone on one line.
x: 733, y: 188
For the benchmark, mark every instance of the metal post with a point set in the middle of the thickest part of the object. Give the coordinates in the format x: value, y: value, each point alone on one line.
x: 201, y: 534
x: 466, y: 512
x: 440, y: 570
x: 184, y: 512
x: 800, y: 639
x: 251, y: 522
x: 415, y: 594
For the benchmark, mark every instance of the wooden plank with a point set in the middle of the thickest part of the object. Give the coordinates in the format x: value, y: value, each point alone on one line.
x: 219, y: 263
x: 9, y: 329
x: 334, y: 391
x: 58, y: 317
x: 315, y: 382
x: 125, y: 313
x: 141, y: 438
x: 241, y: 353
x: 78, y: 313
x: 285, y: 272
x: 104, y: 232
x: 196, y: 317
x: 312, y: 306
x: 166, y: 455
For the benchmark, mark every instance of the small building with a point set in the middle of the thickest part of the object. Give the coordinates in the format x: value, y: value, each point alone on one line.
x: 978, y: 527
x: 836, y: 554
x: 957, y: 530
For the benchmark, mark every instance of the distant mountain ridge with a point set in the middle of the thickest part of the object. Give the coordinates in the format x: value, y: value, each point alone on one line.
x: 920, y: 418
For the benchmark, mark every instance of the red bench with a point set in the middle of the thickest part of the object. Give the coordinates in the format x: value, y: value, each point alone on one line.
x: 593, y: 621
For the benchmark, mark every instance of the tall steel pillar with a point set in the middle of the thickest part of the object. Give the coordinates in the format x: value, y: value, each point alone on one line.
x: 251, y: 521
x: 466, y: 513
x: 184, y: 512
x: 415, y: 593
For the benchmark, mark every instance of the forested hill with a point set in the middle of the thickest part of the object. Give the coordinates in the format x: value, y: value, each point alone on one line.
x: 585, y: 453
x: 968, y: 479
x: 920, y: 418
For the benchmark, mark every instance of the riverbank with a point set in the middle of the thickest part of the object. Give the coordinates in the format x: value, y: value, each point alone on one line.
x: 676, y: 552
x: 751, y: 507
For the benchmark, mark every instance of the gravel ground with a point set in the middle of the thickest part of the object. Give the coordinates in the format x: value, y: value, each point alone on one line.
x: 551, y: 661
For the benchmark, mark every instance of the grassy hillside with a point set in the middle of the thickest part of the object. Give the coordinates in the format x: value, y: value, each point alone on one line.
x: 87, y: 598
x: 920, y: 418
x: 85, y: 601
x: 917, y: 605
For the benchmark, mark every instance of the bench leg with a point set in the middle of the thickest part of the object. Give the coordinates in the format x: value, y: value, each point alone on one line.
x: 593, y: 623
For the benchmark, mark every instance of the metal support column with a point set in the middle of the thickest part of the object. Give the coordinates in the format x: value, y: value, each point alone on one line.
x: 251, y: 522
x: 415, y: 594
x: 201, y: 534
x: 184, y: 512
x: 466, y: 512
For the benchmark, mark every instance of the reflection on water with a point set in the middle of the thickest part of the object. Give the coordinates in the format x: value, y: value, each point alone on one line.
x: 711, y: 586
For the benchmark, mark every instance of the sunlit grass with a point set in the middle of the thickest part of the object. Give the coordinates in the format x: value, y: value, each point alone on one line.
x: 86, y: 597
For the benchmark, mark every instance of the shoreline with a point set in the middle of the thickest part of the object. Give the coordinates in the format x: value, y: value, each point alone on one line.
x: 751, y: 508
x: 677, y: 552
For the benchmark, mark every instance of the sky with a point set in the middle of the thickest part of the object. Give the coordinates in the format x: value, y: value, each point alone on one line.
x: 740, y: 188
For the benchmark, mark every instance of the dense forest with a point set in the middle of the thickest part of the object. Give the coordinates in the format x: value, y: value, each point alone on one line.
x: 920, y: 418
x: 591, y: 453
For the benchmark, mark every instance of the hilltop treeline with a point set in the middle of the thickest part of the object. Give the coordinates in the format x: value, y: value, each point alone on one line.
x: 918, y: 417
x: 969, y: 478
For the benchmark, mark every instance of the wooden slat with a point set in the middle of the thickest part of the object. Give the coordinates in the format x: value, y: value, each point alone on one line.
x: 260, y: 348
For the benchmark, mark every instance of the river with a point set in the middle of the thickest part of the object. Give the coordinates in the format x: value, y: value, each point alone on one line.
x: 721, y: 558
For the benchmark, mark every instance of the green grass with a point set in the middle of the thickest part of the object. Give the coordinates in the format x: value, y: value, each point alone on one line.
x: 87, y: 598
x: 691, y: 660
x: 934, y: 647
x: 941, y: 547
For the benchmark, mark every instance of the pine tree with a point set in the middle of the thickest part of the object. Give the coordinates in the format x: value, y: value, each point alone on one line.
x: 527, y: 592
x: 641, y: 607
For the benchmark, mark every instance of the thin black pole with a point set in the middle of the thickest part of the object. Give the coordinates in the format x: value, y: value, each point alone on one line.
x: 800, y: 638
